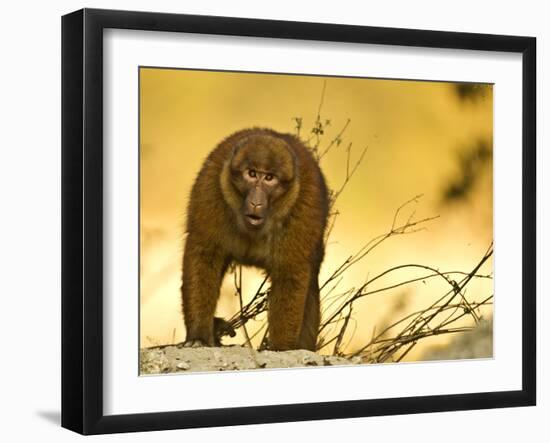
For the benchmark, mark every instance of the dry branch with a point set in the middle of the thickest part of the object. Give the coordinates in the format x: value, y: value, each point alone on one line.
x: 397, y: 339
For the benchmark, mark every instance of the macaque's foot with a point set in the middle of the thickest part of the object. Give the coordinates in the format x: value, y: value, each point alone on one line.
x: 196, y: 343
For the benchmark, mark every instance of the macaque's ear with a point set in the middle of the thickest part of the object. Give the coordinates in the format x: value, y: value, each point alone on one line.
x: 240, y: 143
x: 294, y: 160
x: 235, y: 158
x: 288, y: 164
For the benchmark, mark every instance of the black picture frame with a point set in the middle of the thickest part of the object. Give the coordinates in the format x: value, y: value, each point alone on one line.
x: 82, y: 219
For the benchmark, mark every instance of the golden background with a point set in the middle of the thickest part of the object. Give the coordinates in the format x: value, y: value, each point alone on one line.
x: 417, y: 133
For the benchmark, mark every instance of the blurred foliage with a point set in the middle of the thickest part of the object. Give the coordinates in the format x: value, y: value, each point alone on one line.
x: 471, y: 91
x: 472, y: 162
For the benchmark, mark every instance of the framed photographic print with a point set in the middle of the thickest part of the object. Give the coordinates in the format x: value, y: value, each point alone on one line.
x: 269, y: 221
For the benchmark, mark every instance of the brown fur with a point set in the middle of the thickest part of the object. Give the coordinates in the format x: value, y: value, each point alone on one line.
x: 276, y: 224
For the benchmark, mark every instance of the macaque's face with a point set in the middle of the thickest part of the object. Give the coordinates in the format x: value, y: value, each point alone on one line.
x: 262, y: 169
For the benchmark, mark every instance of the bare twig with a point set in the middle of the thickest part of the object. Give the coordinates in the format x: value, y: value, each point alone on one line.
x: 338, y: 307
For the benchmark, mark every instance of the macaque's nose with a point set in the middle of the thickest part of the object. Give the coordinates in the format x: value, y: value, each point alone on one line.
x: 256, y: 200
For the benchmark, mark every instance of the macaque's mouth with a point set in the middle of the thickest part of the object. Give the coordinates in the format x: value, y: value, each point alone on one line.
x: 254, y: 220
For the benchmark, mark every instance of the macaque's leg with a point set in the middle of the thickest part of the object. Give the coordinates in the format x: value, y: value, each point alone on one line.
x: 312, y: 317
x: 202, y: 275
x: 287, y: 301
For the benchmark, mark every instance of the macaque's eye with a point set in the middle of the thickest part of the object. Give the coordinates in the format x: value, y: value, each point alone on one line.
x: 268, y: 177
x: 252, y: 173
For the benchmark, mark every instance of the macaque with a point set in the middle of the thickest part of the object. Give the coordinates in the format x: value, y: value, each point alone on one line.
x: 259, y: 200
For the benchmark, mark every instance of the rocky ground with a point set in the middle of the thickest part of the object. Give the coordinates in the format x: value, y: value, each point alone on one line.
x: 167, y: 359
